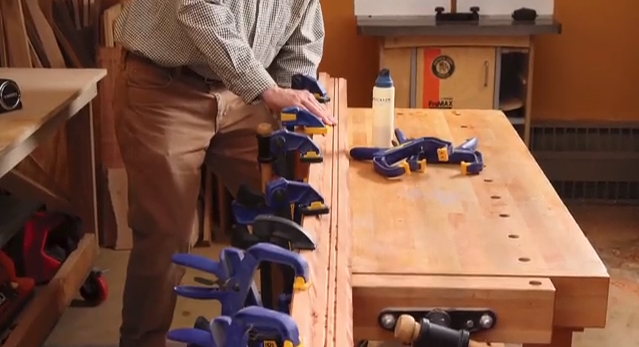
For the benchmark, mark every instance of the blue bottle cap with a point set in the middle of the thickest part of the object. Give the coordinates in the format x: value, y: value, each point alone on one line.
x: 383, y: 79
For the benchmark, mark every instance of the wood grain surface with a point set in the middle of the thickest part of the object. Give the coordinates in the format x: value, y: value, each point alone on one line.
x: 47, y: 91
x: 506, y: 224
x: 324, y: 312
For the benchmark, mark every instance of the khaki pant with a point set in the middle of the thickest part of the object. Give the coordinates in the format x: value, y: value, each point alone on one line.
x: 167, y: 123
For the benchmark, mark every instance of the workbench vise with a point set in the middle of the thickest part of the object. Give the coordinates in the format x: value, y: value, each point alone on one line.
x: 436, y: 327
x: 310, y: 84
x: 284, y: 198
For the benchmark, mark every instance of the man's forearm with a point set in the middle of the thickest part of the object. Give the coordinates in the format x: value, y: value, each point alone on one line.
x: 211, y: 27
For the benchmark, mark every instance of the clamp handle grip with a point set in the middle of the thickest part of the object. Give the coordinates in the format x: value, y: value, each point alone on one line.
x: 269, y: 227
x: 200, y: 263
x: 468, y: 145
x: 295, y: 116
x: 192, y: 336
x: 200, y: 292
x: 312, y: 85
x: 282, y: 192
x: 400, y: 136
x: 283, y: 141
x: 365, y: 153
x: 245, y: 215
x: 266, y: 252
x: 263, y: 320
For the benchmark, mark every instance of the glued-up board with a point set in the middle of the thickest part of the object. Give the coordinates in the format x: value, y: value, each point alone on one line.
x: 506, y: 7
x: 399, y: 7
x: 324, y: 312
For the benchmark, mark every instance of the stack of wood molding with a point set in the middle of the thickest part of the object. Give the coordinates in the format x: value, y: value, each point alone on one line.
x: 114, y: 204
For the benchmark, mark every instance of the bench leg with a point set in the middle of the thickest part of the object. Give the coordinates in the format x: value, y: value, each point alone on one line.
x: 560, y: 338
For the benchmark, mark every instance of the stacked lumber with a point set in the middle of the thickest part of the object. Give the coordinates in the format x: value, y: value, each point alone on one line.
x: 114, y: 207
x: 48, y: 33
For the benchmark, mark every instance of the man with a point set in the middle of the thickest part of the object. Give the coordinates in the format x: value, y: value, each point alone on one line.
x: 198, y: 77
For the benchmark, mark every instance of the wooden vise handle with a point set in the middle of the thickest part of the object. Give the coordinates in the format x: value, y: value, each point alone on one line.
x: 407, y: 331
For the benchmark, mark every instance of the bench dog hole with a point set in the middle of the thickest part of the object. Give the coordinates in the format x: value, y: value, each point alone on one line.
x: 504, y: 215
x: 513, y: 236
x: 495, y: 197
x: 535, y: 283
x: 524, y: 259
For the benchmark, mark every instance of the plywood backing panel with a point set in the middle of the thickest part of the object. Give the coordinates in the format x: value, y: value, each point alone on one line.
x: 398, y: 61
x: 458, y: 77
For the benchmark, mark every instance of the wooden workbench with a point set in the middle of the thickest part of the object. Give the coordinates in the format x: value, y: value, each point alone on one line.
x: 502, y: 239
x: 53, y: 98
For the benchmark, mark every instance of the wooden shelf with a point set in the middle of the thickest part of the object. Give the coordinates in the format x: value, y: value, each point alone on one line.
x: 53, y: 99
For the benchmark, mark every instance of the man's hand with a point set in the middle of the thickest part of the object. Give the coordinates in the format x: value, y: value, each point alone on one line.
x: 277, y: 98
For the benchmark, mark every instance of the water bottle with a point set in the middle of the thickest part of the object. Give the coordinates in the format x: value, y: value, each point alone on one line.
x: 383, y: 110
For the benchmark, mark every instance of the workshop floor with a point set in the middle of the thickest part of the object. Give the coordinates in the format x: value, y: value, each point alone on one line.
x: 614, y: 232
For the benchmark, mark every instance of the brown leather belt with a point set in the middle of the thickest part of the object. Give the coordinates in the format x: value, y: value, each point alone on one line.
x: 184, y: 71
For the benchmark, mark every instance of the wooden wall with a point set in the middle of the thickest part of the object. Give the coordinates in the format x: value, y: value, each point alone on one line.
x: 589, y: 72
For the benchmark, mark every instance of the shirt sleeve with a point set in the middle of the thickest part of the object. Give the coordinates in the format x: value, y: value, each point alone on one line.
x: 302, y: 52
x: 211, y: 27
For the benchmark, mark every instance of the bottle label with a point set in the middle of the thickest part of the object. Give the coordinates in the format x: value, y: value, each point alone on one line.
x: 383, y: 99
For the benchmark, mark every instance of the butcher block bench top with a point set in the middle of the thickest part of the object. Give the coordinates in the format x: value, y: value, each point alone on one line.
x: 503, y: 231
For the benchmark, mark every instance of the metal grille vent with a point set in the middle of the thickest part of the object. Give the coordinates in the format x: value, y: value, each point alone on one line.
x: 591, y: 163
x: 621, y: 192
x: 585, y: 139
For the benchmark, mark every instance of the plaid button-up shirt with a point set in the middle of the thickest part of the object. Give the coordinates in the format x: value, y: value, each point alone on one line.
x: 249, y: 45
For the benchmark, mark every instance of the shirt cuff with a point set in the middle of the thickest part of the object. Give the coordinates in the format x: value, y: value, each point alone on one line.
x: 251, y: 84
